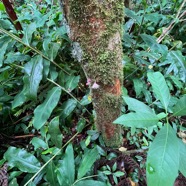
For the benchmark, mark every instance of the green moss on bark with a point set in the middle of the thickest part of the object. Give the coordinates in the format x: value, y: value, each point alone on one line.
x: 96, y: 25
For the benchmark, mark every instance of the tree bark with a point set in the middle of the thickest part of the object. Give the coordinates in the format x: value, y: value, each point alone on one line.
x: 95, y: 28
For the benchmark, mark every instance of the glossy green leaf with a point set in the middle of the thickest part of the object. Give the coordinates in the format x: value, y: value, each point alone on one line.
x: 160, y: 87
x: 68, y: 107
x: 86, y: 100
x: 182, y: 162
x: 138, y: 86
x: 81, y: 124
x: 90, y: 183
x: 38, y: 143
x: 24, y: 161
x: 33, y: 70
x: 152, y: 43
x: 163, y: 158
x: 43, y: 111
x: 137, y: 106
x: 72, y: 83
x: 132, y: 14
x: 66, y: 172
x: 28, y: 32
x: 53, y: 50
x: 51, y: 175
x: 19, y: 99
x: 13, y: 182
x: 55, y: 133
x: 180, y: 108
x: 138, y: 120
x: 2, y: 7
x: 177, y: 64
x: 4, y: 41
x: 90, y: 157
x: 16, y: 57
x: 6, y: 24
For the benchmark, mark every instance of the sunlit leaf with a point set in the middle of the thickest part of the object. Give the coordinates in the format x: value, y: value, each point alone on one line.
x: 137, y: 106
x: 163, y: 158
x: 160, y: 88
x: 138, y: 120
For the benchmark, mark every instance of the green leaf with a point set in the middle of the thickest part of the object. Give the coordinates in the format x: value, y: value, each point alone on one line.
x: 38, y: 143
x: 55, y: 133
x: 51, y: 175
x: 43, y: 111
x: 53, y: 50
x: 81, y: 124
x: 68, y: 107
x: 177, y: 64
x: 16, y: 57
x: 13, y: 182
x: 4, y: 41
x: 19, y: 99
x: 137, y: 106
x: 86, y: 100
x: 138, y: 120
x: 152, y: 43
x: 107, y: 172
x: 66, y: 172
x: 33, y: 69
x: 182, y: 164
x: 90, y: 183
x: 163, y: 158
x: 162, y: 115
x: 28, y: 33
x: 160, y: 88
x: 132, y: 14
x: 87, y: 162
x: 2, y: 7
x: 138, y: 86
x: 119, y: 173
x: 6, y: 24
x: 72, y: 83
x: 180, y: 108
x: 24, y: 161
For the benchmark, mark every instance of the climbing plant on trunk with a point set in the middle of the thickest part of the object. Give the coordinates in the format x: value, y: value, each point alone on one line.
x: 95, y: 28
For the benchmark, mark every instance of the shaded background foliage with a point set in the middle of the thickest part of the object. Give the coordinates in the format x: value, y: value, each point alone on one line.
x: 38, y: 74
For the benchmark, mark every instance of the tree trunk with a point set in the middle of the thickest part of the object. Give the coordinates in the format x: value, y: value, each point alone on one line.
x: 95, y: 28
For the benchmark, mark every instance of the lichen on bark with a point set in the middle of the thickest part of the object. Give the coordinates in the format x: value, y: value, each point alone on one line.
x: 96, y: 25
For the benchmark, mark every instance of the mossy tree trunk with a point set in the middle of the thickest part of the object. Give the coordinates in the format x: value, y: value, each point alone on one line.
x: 95, y: 28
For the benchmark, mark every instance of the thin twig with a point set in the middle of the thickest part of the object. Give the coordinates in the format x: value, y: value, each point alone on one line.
x: 172, y: 24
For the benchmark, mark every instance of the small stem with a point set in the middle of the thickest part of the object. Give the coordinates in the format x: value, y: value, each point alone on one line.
x: 84, y: 179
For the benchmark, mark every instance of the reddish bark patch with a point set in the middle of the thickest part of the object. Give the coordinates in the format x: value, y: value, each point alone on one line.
x: 110, y: 130
x: 115, y: 89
